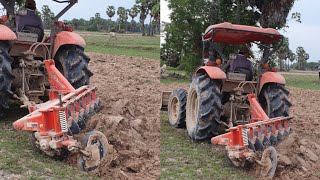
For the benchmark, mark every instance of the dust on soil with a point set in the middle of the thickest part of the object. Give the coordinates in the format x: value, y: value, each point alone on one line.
x: 130, y: 90
x: 298, y: 155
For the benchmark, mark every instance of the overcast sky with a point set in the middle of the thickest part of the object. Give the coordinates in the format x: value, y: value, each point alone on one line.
x: 305, y: 34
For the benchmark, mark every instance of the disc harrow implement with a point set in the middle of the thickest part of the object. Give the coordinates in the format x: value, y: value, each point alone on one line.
x: 244, y: 141
x: 56, y: 122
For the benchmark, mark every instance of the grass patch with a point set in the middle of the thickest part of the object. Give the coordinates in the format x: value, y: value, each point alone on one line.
x: 303, y: 81
x: 182, y: 159
x: 18, y: 158
x: 147, y: 47
x: 169, y: 81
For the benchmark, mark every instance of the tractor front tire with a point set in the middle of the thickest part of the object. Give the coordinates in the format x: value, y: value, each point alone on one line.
x: 274, y: 100
x: 6, y: 75
x: 203, y: 108
x: 177, y: 108
x: 74, y: 65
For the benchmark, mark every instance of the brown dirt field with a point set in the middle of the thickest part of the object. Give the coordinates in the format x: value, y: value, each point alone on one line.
x: 129, y: 89
x: 298, y: 155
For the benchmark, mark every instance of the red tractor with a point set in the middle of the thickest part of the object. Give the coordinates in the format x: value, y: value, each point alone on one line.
x: 35, y: 68
x: 22, y: 72
x: 253, y: 107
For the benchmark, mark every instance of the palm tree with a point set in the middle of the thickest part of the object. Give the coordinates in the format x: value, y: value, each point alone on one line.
x: 123, y: 16
x: 133, y: 12
x: 111, y: 11
x: 143, y: 9
x: 155, y: 12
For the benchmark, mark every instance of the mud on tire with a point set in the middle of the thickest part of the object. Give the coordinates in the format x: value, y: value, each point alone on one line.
x: 6, y: 75
x: 203, y: 108
x: 73, y: 63
x: 274, y: 100
x: 177, y: 108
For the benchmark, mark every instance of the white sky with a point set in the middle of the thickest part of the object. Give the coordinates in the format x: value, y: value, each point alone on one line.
x: 86, y: 8
x: 305, y: 34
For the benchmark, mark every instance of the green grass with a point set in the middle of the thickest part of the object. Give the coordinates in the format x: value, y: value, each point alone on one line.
x: 147, y: 47
x: 303, y: 81
x: 18, y: 158
x: 168, y: 81
x: 182, y: 159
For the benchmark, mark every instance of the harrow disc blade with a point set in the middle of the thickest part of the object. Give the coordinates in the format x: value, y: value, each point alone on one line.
x: 279, y: 136
x: 265, y: 141
x: 258, y: 145
x: 251, y: 146
x: 96, y: 144
x: 74, y: 128
x: 285, y: 133
x: 81, y: 122
x: 273, y: 140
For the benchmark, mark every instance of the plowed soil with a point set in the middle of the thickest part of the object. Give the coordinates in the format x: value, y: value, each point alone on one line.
x: 130, y: 91
x: 298, y: 155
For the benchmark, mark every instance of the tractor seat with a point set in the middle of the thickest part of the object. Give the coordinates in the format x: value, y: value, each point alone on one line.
x: 33, y: 30
x: 247, y: 72
x: 27, y: 21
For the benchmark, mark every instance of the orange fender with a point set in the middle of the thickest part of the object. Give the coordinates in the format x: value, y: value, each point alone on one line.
x: 6, y: 34
x: 66, y: 37
x: 213, y: 72
x: 271, y: 77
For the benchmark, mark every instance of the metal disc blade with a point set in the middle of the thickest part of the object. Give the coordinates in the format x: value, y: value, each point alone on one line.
x: 266, y: 142
x: 279, y: 136
x: 273, y: 140
x: 285, y: 133
x: 81, y: 123
x: 75, y: 129
x: 251, y: 146
x: 258, y: 145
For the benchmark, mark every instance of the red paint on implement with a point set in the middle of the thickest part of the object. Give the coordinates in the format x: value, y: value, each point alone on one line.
x: 240, y: 34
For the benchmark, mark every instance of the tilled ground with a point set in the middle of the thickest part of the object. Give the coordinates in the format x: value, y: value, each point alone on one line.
x: 299, y: 154
x: 130, y: 91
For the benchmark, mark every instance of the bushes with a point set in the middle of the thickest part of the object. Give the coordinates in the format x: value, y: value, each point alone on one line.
x: 190, y: 62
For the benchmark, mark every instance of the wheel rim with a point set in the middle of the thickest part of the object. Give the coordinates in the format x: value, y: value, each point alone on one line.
x: 96, y: 144
x: 192, y: 110
x: 174, y: 110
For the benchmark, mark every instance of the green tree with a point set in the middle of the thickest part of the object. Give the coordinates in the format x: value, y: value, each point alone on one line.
x: 133, y: 12
x: 144, y: 11
x: 302, y: 57
x: 155, y: 14
x: 190, y: 18
x: 47, y: 16
x: 123, y: 17
x: 111, y: 11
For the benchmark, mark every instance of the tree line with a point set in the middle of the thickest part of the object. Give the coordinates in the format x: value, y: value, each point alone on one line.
x: 142, y: 9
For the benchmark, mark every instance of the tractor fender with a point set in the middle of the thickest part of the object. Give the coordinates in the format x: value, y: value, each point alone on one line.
x: 6, y: 34
x: 66, y: 37
x: 271, y: 77
x: 212, y: 71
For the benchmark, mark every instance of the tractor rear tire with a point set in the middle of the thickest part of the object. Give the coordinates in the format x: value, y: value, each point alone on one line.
x: 203, y: 108
x: 274, y: 100
x: 177, y: 108
x: 74, y: 65
x: 6, y: 75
